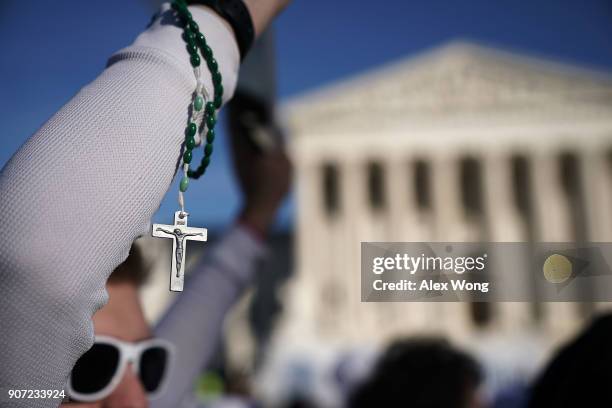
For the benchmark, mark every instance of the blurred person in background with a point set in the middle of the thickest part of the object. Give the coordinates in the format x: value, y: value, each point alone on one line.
x: 421, y: 373
x: 168, y: 359
x: 98, y: 170
x: 580, y: 374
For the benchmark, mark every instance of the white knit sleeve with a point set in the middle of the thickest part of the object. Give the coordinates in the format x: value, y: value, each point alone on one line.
x: 80, y: 190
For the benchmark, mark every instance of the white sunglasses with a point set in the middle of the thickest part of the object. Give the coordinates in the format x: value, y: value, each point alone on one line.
x: 100, y: 370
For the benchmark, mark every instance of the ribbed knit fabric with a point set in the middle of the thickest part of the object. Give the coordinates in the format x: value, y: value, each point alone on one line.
x: 194, y: 323
x: 80, y: 190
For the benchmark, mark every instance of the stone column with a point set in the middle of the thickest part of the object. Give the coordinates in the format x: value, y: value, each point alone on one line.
x: 406, y: 225
x: 596, y: 173
x: 452, y: 318
x: 300, y: 318
x: 504, y: 224
x: 333, y: 292
x: 553, y: 224
x: 362, y: 318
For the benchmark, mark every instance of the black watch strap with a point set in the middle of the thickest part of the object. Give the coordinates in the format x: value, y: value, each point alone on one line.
x: 237, y: 15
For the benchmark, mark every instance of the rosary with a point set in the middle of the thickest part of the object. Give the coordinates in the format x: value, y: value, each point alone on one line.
x: 204, y: 112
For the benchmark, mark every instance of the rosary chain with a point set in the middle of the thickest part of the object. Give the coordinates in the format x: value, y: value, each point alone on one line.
x: 195, y: 41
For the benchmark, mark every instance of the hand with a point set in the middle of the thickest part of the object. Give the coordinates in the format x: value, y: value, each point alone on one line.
x: 264, y: 11
x: 264, y: 179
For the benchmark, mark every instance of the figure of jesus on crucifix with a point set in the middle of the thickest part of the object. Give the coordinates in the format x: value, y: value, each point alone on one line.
x: 180, y: 234
x: 179, y: 237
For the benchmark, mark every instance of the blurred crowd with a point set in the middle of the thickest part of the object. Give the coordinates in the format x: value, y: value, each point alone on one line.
x: 430, y: 372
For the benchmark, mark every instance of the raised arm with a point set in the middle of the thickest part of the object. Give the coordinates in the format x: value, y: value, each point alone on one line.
x: 93, y: 175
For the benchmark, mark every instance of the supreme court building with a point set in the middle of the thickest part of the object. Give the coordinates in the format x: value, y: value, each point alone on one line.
x: 462, y: 143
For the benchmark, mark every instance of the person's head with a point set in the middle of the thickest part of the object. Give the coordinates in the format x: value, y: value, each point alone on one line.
x: 120, y: 328
x: 421, y: 373
x: 579, y: 375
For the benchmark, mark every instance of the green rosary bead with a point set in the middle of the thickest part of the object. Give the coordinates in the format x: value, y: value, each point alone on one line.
x: 198, y: 102
x: 195, y: 60
x: 187, y: 156
x: 179, y: 7
x: 205, y: 162
x: 208, y: 149
x: 212, y: 64
x: 184, y: 184
x: 189, y: 36
x: 210, y: 108
x: 211, y: 121
x: 219, y: 90
x: 190, y: 143
x: 184, y: 18
x: 190, y: 43
x: 192, y: 48
x: 192, y: 128
x: 184, y: 13
x: 217, y: 80
x: 196, y: 173
x: 210, y: 136
x: 218, y: 101
x: 201, y: 40
x: 207, y: 52
x: 193, y: 26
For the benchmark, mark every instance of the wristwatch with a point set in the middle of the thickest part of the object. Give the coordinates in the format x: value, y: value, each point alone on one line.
x: 235, y: 12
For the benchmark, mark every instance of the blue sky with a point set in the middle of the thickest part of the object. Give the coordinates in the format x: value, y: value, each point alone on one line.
x: 50, y: 49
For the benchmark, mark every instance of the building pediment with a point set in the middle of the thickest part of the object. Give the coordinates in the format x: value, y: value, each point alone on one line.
x: 454, y: 81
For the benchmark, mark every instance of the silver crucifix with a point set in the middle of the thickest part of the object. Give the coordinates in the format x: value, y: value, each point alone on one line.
x: 180, y: 234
